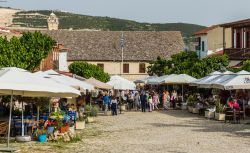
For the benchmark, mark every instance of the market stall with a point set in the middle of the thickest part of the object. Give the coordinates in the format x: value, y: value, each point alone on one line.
x: 15, y: 81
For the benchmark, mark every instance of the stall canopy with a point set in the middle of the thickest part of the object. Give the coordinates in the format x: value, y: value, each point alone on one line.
x: 145, y: 80
x: 211, y: 76
x: 66, y: 80
x: 15, y: 81
x: 157, y: 80
x: 120, y: 83
x: 239, y: 81
x: 99, y: 84
x: 224, y: 76
x: 178, y: 79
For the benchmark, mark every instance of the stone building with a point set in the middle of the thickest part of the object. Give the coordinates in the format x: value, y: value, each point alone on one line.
x: 53, y: 22
x: 103, y: 48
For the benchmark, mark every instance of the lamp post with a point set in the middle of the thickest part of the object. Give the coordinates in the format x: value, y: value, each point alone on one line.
x: 122, y: 43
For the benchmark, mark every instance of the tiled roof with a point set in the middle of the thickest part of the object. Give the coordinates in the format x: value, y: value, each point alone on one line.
x: 245, y: 22
x: 205, y: 31
x: 105, y: 45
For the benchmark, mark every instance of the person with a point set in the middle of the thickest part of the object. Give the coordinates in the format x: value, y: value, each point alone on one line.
x: 150, y: 103
x: 105, y: 102
x: 155, y: 101
x: 174, y: 98
x: 137, y: 101
x: 165, y: 100
x: 143, y: 98
x: 130, y: 101
x: 113, y: 104
x: 88, y: 98
x: 168, y: 100
x: 232, y: 103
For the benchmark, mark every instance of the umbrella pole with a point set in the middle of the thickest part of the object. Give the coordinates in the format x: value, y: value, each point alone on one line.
x: 22, y: 121
x: 11, y: 101
x: 37, y: 113
x: 182, y: 92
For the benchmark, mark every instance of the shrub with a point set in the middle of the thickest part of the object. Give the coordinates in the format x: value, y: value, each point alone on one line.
x: 87, y: 71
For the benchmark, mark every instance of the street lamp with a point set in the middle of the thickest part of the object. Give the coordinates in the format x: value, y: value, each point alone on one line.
x: 122, y: 44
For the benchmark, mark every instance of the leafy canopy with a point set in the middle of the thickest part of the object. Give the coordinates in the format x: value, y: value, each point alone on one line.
x: 87, y: 70
x: 188, y: 63
x: 25, y: 52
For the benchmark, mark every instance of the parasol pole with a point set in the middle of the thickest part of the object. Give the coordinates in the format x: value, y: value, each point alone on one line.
x: 11, y: 101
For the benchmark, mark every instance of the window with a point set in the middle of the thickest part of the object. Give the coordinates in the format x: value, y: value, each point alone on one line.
x: 125, y: 68
x: 142, y: 68
x: 100, y: 65
x: 238, y: 40
x: 203, y: 46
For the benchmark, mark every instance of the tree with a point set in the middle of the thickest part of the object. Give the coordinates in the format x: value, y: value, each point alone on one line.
x: 188, y: 63
x: 89, y: 70
x: 158, y: 67
x: 246, y: 65
x: 25, y: 52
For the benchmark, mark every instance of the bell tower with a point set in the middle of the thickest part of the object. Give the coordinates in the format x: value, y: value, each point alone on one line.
x: 53, y: 22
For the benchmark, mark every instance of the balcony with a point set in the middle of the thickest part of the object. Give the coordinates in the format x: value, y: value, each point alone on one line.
x: 238, y: 53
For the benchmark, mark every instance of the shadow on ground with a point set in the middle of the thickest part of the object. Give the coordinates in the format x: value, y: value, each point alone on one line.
x: 201, y: 124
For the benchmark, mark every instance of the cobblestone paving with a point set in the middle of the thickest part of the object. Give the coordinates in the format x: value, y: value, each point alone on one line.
x: 158, y: 132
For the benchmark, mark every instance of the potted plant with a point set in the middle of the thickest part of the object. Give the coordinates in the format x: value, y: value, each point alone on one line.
x: 91, y: 112
x: 80, y: 123
x: 61, y: 128
x: 41, y: 135
x: 219, y: 112
x: 190, y: 103
x: 72, y: 127
x: 210, y: 113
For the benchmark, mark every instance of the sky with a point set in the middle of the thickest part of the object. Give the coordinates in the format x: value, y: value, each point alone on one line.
x: 203, y: 12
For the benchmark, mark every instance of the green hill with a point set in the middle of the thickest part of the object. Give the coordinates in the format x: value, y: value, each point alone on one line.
x: 38, y: 19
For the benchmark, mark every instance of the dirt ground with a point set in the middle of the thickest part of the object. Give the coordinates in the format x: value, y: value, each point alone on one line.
x: 158, y: 132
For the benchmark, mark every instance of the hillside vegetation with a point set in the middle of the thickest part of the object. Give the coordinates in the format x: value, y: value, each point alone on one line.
x: 38, y: 19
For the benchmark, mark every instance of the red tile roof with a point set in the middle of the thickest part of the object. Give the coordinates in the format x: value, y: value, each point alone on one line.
x: 205, y: 31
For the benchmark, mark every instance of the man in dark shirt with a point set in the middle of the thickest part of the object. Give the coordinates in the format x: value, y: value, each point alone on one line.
x: 143, y: 98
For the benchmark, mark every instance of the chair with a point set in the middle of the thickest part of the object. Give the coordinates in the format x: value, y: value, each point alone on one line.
x: 229, y: 115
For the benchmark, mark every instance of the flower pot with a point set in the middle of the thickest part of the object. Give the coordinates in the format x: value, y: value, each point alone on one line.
x: 183, y: 107
x: 209, y: 115
x: 42, y: 138
x: 51, y: 129
x: 195, y: 111
x: 123, y: 108
x: 80, y: 125
x: 72, y: 129
x: 220, y: 117
x: 90, y: 119
x: 190, y: 109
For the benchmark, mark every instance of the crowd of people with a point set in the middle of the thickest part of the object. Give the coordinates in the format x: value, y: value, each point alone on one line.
x: 138, y: 100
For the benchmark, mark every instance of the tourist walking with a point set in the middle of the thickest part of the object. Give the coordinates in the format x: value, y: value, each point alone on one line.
x: 174, y: 98
x: 143, y: 99
x: 130, y: 101
x: 137, y: 101
x: 164, y: 100
x: 155, y: 101
x: 168, y: 100
x: 106, y: 102
x: 113, y: 104
x: 150, y: 103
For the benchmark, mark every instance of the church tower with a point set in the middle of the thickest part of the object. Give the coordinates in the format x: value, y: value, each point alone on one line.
x: 53, y: 22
